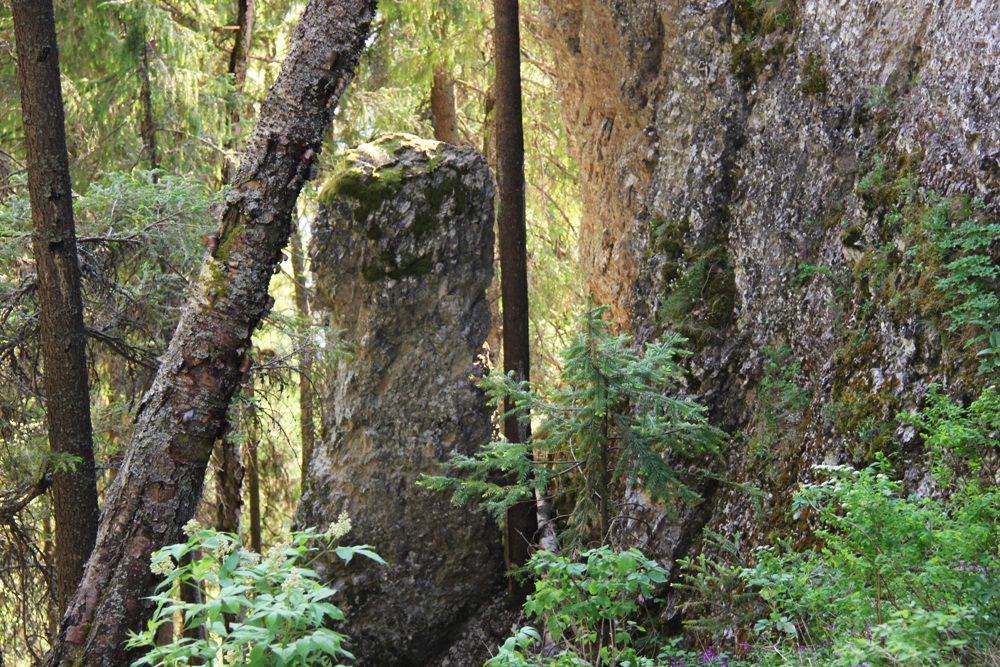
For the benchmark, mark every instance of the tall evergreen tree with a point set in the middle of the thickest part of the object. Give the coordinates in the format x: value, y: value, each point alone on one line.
x: 521, y: 521
x: 63, y: 339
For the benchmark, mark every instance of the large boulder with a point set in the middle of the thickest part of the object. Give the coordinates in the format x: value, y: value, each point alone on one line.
x: 403, y: 252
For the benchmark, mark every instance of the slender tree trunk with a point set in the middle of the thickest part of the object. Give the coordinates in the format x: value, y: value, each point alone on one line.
x: 147, y: 124
x: 521, y: 519
x: 494, y: 338
x: 184, y: 412
x: 228, y: 485
x: 444, y: 118
x: 308, y: 426
x: 63, y: 339
x: 253, y: 479
x: 239, y: 59
x: 191, y: 594
x: 229, y: 471
x: 253, y: 471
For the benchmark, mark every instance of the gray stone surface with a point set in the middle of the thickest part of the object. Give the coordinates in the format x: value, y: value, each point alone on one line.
x: 403, y: 252
x: 736, y: 134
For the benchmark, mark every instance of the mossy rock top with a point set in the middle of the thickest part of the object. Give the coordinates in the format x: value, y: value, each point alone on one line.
x: 406, y: 207
x: 372, y: 172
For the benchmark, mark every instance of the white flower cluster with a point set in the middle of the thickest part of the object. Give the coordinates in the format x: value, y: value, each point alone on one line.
x: 252, y: 558
x: 163, y: 567
x: 191, y: 528
x: 222, y: 551
x: 233, y: 657
x: 339, y: 528
x: 276, y: 554
x: 294, y: 581
x: 836, y: 469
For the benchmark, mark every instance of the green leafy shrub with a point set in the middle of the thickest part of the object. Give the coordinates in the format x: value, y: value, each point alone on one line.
x: 257, y: 610
x: 899, y: 579
x: 613, y: 419
x: 586, y: 607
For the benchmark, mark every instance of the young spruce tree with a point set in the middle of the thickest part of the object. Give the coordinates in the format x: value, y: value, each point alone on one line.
x: 615, y: 418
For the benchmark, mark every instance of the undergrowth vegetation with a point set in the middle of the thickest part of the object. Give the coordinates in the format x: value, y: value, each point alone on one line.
x: 896, y: 577
x: 249, y: 609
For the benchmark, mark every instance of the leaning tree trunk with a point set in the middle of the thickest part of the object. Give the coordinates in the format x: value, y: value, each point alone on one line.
x: 521, y: 521
x: 63, y: 340
x: 184, y: 412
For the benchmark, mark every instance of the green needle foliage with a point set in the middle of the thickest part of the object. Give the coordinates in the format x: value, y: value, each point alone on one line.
x: 614, y: 420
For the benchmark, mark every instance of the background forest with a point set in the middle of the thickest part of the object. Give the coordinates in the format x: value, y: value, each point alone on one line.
x: 764, y: 332
x: 157, y: 98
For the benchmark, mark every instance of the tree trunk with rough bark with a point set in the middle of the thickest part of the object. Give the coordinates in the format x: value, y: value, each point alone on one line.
x: 521, y: 520
x: 184, y: 412
x: 63, y: 339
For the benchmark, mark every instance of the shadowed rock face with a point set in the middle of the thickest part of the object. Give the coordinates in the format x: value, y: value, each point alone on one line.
x: 403, y: 252
x: 755, y: 175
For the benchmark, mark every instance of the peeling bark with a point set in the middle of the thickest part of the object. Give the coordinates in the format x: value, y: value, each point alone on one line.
x: 63, y: 339
x: 184, y: 412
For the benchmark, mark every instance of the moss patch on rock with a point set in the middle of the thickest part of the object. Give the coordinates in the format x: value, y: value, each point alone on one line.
x: 767, y: 29
x: 701, y: 295
x: 397, y: 173
x: 814, y: 77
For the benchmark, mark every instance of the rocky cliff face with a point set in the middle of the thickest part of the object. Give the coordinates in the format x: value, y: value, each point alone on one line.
x: 403, y: 253
x: 780, y: 180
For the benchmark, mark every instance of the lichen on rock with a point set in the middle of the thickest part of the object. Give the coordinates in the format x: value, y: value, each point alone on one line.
x: 403, y: 253
x: 777, y: 140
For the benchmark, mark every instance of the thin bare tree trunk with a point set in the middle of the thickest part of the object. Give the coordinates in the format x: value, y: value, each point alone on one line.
x: 239, y: 59
x: 444, y: 117
x: 191, y: 593
x: 229, y: 472
x: 306, y: 422
x: 521, y: 519
x: 228, y: 485
x: 63, y: 340
x: 494, y: 338
x: 184, y: 412
x: 253, y: 471
x: 147, y: 124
